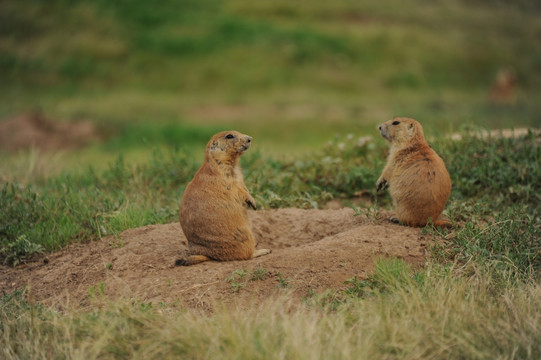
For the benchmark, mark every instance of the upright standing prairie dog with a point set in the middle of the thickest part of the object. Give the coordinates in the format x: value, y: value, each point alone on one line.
x: 418, y: 181
x: 213, y: 213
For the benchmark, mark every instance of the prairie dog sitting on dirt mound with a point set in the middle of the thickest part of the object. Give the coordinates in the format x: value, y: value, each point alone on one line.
x: 416, y: 176
x: 213, y: 213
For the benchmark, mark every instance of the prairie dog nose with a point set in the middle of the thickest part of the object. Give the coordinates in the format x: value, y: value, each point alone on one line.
x: 248, y: 139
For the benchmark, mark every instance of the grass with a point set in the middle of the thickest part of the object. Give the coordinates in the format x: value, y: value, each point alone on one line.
x: 439, y: 316
x: 239, y: 279
x: 510, y: 243
x: 478, y: 296
x: 81, y: 207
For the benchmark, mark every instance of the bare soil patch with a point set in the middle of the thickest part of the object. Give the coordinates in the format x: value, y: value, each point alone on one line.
x: 34, y: 130
x: 312, y: 250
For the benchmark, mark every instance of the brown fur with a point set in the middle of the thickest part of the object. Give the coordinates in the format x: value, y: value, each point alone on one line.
x: 503, y: 88
x: 418, y: 181
x: 213, y: 213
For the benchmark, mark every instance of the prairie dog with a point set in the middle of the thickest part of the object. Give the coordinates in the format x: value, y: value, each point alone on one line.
x: 213, y: 213
x: 416, y: 176
x: 503, y: 90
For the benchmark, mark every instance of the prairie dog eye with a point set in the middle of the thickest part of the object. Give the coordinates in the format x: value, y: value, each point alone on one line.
x: 229, y: 136
x: 396, y: 122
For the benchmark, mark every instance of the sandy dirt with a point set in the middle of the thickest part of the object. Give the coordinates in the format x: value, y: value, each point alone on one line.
x: 313, y: 250
x: 34, y: 130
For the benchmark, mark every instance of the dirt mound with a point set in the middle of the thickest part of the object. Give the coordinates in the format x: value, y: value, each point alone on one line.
x: 33, y: 130
x: 313, y: 250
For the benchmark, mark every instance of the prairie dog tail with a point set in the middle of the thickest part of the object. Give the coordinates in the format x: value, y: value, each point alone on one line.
x: 192, y: 260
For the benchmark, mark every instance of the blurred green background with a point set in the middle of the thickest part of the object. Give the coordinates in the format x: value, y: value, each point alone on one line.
x: 290, y: 73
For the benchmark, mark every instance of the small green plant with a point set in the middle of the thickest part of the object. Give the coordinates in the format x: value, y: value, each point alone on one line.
x: 145, y: 306
x: 236, y: 286
x: 371, y: 212
x: 356, y: 287
x: 236, y: 280
x: 15, y: 252
x: 329, y: 300
x: 116, y: 241
x: 308, y: 299
x: 239, y: 279
x: 97, y: 291
x: 282, y: 281
x: 258, y: 274
x: 237, y: 274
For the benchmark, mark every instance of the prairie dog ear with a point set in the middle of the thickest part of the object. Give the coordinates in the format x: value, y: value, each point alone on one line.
x: 410, y: 127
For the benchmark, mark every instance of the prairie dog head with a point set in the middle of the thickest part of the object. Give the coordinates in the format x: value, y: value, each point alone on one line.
x: 227, y: 146
x: 401, y: 130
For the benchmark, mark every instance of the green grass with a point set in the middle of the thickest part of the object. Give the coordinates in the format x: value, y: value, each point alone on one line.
x: 510, y: 243
x: 177, y: 33
x: 261, y: 67
x: 83, y: 206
